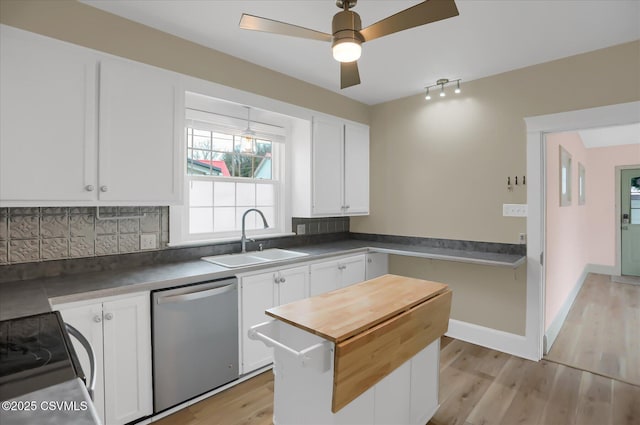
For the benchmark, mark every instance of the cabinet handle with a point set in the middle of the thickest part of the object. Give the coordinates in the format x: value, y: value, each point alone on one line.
x: 108, y: 316
x: 276, y: 279
x: 97, y: 319
x: 369, y: 260
x: 283, y: 280
x: 89, y: 188
x: 342, y: 267
x: 103, y: 188
x: 346, y: 207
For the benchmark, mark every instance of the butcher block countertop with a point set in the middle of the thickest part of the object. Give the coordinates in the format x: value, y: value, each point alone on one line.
x: 376, y: 326
x: 344, y: 313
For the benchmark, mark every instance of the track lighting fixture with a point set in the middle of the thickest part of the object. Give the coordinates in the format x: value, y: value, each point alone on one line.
x: 442, y: 83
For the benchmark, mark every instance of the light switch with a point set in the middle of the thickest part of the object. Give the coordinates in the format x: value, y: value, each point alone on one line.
x: 514, y: 210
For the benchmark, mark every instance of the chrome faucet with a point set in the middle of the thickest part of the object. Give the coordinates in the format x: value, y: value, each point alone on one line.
x: 243, y: 239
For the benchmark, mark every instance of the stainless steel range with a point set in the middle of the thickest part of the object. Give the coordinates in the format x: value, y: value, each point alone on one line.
x: 35, y: 352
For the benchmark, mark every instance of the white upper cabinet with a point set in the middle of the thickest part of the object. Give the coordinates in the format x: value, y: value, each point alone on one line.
x: 327, y: 167
x: 356, y: 169
x: 139, y: 144
x: 331, y: 169
x: 47, y: 119
x: 78, y: 127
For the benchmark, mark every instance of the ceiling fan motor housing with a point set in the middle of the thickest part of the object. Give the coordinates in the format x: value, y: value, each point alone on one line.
x: 346, y: 26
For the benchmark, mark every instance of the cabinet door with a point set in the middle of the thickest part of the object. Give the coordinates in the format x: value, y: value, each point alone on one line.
x: 425, y: 367
x: 127, y: 359
x: 139, y: 143
x: 256, y: 296
x: 392, y: 397
x: 352, y: 270
x: 324, y: 277
x: 47, y: 124
x: 88, y: 320
x: 292, y: 285
x: 327, y: 167
x: 356, y: 169
x: 377, y: 265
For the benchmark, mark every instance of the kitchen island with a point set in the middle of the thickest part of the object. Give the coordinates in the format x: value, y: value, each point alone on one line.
x: 365, y: 354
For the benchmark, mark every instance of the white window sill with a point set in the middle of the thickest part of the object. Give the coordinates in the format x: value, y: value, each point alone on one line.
x: 202, y: 242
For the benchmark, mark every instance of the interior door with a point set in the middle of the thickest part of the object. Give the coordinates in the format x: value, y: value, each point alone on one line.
x: 630, y: 221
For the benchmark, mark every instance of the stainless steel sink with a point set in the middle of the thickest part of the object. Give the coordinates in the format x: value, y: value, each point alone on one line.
x: 251, y: 258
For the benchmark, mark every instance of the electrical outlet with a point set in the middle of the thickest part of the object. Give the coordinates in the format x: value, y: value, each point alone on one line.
x: 300, y: 230
x: 148, y: 241
x: 514, y: 210
x: 522, y: 238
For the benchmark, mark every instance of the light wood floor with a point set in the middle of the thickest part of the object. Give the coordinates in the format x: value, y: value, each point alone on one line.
x: 478, y: 386
x: 602, y: 330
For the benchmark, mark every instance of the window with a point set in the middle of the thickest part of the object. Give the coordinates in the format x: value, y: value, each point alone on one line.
x: 227, y: 174
x: 231, y: 165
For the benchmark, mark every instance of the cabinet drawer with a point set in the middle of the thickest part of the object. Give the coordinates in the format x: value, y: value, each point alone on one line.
x: 363, y: 360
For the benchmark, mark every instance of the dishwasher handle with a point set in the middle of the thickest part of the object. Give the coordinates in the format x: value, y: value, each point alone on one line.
x: 196, y: 295
x: 91, y: 387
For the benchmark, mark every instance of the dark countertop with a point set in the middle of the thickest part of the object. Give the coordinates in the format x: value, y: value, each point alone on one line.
x: 27, y: 297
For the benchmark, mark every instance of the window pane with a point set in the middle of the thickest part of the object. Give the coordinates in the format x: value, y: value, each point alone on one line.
x: 224, y: 194
x: 201, y: 194
x: 244, y: 145
x: 263, y: 147
x: 269, y: 215
x: 224, y: 219
x: 263, y: 169
x: 264, y: 195
x: 200, y: 220
x: 246, y: 195
x: 222, y: 142
x: 201, y: 139
x: 253, y: 220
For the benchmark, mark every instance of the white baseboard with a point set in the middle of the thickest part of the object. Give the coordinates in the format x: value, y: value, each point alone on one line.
x: 491, y: 338
x: 601, y: 269
x: 552, y: 332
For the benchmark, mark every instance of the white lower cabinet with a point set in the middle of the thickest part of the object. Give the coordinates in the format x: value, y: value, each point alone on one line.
x: 119, y: 330
x: 377, y: 264
x: 259, y: 292
x: 334, y: 274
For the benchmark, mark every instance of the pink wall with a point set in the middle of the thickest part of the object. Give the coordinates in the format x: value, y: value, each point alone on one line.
x: 601, y: 186
x: 579, y: 235
x: 567, y: 235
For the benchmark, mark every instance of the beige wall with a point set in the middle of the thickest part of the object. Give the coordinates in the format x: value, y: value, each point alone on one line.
x: 84, y: 25
x: 488, y: 296
x: 439, y: 168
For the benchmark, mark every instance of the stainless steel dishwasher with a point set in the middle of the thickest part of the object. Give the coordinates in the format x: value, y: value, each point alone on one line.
x: 195, y: 340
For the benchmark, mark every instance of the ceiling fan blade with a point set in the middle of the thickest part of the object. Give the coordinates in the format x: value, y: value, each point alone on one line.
x: 420, y: 14
x: 349, y: 75
x: 256, y: 23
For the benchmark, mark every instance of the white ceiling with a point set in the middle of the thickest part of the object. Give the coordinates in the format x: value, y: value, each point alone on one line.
x: 611, y: 136
x: 489, y: 37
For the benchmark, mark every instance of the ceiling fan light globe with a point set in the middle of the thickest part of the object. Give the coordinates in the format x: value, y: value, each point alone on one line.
x: 347, y: 51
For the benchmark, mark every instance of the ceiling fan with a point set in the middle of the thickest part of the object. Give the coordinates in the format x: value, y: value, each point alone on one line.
x: 348, y: 35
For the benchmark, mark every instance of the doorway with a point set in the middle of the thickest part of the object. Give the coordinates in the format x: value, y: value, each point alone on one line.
x: 630, y: 222
x: 537, y: 128
x: 591, y: 320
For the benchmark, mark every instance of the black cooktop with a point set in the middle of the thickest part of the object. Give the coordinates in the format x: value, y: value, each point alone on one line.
x: 35, y: 352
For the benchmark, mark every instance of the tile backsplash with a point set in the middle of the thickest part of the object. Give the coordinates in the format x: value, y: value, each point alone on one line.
x: 40, y: 234
x: 318, y: 226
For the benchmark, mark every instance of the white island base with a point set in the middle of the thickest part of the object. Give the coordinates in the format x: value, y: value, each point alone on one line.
x: 304, y: 371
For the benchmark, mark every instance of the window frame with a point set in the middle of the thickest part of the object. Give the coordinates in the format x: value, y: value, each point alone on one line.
x: 180, y: 234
